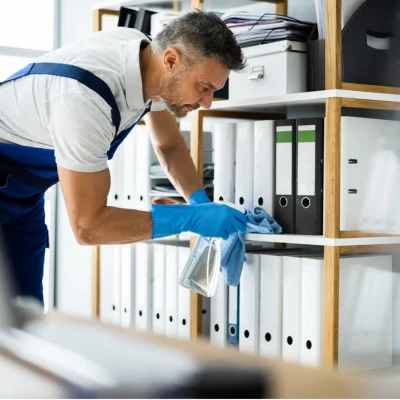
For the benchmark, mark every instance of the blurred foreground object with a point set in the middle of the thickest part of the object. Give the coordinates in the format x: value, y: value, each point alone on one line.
x: 58, y: 356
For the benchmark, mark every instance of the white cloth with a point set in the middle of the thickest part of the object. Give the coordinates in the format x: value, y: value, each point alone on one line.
x: 62, y: 114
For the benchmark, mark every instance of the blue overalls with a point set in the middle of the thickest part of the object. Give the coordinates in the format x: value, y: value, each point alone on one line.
x: 25, y: 174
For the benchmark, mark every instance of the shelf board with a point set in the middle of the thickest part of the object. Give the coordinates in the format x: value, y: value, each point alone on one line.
x: 183, y: 239
x: 116, y: 5
x: 167, y: 5
x: 156, y: 193
x: 279, y: 104
x: 314, y: 240
x: 310, y: 240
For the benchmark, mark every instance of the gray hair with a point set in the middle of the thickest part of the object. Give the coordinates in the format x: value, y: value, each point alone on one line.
x: 197, y: 35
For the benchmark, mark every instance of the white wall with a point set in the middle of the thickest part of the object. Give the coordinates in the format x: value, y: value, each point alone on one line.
x: 300, y: 9
x: 73, y: 262
x: 76, y: 20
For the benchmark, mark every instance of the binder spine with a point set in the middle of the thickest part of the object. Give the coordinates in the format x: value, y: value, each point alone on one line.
x: 285, y: 174
x: 309, y: 176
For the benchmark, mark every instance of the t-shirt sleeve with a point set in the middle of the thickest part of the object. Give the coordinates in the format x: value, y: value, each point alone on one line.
x: 81, y: 130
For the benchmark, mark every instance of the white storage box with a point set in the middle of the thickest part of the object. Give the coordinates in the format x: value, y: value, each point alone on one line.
x: 272, y: 69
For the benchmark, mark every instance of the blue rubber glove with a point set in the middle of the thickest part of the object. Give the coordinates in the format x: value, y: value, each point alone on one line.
x: 199, y: 197
x: 208, y: 220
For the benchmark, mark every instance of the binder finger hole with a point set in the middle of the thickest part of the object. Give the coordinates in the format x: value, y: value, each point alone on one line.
x: 289, y: 340
x: 129, y: 196
x: 170, y: 318
x: 113, y: 307
x: 308, y: 344
x: 115, y: 196
x: 305, y: 202
x: 216, y: 327
x: 221, y: 198
x: 140, y: 313
x: 184, y: 322
x: 125, y: 310
x: 260, y: 201
x: 246, y: 334
x: 158, y: 315
x: 241, y: 200
x: 283, y: 201
x: 141, y: 198
x: 232, y: 331
x: 268, y: 337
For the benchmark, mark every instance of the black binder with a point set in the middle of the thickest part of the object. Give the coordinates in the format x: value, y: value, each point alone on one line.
x: 309, y: 176
x: 127, y: 17
x: 143, y: 20
x: 285, y: 174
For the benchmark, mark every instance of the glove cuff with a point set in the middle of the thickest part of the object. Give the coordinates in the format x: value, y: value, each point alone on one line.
x: 167, y: 220
x: 199, y: 197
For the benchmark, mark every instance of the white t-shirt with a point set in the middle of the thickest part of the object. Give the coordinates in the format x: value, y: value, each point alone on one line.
x: 62, y: 114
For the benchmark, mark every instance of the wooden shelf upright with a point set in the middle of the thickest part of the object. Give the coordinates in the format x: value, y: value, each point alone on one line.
x: 97, y: 26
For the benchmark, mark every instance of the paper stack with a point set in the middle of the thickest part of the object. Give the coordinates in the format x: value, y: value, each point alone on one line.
x: 253, y: 29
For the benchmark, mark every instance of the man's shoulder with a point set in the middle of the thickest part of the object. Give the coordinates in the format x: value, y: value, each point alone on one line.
x: 120, y: 33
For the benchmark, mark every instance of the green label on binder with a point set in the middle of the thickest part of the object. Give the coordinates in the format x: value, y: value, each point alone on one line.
x: 306, y: 136
x: 284, y: 137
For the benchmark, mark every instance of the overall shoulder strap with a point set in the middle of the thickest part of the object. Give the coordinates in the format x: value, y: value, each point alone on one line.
x: 79, y: 74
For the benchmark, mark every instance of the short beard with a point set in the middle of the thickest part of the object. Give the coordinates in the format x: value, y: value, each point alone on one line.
x: 175, y: 110
x: 170, y: 100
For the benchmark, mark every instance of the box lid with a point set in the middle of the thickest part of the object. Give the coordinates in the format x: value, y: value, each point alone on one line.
x: 274, y: 47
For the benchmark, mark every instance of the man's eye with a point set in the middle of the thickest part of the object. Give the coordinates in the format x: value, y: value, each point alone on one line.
x: 202, y: 89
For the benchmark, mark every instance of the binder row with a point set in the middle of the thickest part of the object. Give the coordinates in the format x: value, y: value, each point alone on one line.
x: 129, y: 170
x: 277, y: 310
x: 277, y: 165
x: 140, y: 289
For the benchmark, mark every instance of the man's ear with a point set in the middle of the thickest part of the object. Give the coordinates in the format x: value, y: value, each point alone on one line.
x: 172, y: 60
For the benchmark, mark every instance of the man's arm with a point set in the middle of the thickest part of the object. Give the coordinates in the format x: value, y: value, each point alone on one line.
x: 92, y: 221
x: 172, y: 152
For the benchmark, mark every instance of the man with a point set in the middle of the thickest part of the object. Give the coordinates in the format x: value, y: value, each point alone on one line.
x: 64, y: 116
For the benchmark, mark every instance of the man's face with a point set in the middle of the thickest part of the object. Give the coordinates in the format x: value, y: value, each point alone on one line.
x: 188, y: 89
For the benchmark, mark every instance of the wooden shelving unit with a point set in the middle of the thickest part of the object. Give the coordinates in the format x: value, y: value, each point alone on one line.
x: 337, y: 95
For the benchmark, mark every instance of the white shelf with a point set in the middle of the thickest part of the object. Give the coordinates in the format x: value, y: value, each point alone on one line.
x: 279, y: 104
x: 166, y: 5
x: 183, y: 238
x: 310, y: 240
x: 156, y: 193
x: 321, y: 240
x: 116, y: 5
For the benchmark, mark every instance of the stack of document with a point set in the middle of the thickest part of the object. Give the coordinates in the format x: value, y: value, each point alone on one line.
x: 160, y: 189
x: 158, y: 172
x: 253, y: 29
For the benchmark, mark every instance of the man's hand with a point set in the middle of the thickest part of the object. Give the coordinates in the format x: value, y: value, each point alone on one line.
x: 209, y: 220
x: 92, y: 221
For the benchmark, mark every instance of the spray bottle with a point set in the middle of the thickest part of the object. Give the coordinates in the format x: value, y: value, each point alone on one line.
x: 201, y: 271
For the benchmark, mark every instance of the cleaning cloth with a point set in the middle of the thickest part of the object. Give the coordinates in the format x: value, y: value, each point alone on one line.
x: 233, y: 249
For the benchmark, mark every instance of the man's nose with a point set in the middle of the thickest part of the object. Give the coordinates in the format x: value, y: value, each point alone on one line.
x: 206, y: 100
